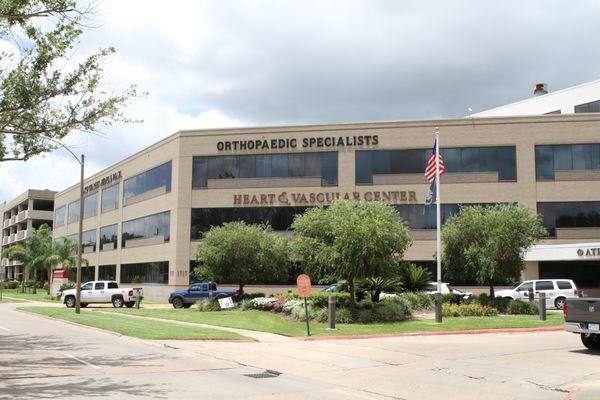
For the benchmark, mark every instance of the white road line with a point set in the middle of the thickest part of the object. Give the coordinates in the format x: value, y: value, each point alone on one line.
x: 83, y: 361
x: 5, y: 329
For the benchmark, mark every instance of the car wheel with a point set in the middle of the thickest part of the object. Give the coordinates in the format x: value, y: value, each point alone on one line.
x: 591, y: 341
x: 130, y: 304
x: 70, y: 302
x: 177, y: 302
x: 559, y: 302
x: 117, y: 302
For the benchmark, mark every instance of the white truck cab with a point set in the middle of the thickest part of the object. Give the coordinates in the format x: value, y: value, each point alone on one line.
x: 101, y: 292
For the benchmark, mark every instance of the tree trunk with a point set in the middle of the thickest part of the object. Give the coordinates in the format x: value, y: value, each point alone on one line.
x: 492, y: 295
x: 352, y: 293
x: 375, y: 296
x: 241, y: 290
x: 49, y: 279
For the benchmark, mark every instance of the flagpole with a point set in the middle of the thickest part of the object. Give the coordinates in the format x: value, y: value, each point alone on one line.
x: 438, y: 314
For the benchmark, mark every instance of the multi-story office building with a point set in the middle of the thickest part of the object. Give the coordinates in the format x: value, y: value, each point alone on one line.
x: 144, y: 216
x: 20, y: 216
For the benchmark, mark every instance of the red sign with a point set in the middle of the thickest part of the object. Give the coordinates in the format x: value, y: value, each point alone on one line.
x: 60, y: 273
x: 304, y: 287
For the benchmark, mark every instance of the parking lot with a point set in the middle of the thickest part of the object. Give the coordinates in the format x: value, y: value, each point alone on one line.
x: 51, y: 359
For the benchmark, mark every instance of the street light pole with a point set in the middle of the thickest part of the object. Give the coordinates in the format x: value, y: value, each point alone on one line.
x: 80, y: 241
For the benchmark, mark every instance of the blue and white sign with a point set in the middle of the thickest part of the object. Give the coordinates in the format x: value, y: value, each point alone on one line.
x: 225, y: 303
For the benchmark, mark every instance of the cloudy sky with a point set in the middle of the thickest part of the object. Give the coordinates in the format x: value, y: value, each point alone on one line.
x: 208, y: 64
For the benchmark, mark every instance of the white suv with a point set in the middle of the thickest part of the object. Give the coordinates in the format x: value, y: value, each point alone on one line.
x: 556, y: 290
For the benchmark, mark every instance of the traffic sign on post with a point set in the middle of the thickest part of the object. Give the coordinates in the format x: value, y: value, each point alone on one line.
x: 304, y: 289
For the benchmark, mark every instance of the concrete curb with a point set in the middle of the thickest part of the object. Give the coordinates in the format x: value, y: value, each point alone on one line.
x: 434, y: 333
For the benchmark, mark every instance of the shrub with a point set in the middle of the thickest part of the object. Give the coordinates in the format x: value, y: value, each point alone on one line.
x: 290, y: 305
x: 418, y: 301
x: 245, y: 304
x: 299, y: 313
x: 321, y: 299
x: 468, y: 310
x: 523, y: 307
x: 452, y: 298
x: 321, y: 315
x: 499, y: 303
x: 208, y: 305
x: 391, y: 310
x: 247, y: 296
x: 46, y: 285
x: 263, y: 303
x: 11, y: 284
x: 66, y: 286
x: 412, y: 277
x: 344, y: 316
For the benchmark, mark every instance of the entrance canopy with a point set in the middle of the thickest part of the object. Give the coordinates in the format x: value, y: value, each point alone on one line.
x: 564, y: 252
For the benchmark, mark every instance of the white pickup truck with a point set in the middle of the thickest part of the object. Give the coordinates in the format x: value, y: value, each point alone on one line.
x: 101, y: 292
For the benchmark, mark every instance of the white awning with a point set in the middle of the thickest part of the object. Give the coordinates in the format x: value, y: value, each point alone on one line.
x: 564, y: 252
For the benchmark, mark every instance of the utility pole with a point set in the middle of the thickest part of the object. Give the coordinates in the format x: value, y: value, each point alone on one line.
x: 80, y: 241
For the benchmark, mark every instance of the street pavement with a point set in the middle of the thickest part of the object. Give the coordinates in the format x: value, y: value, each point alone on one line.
x: 43, y: 358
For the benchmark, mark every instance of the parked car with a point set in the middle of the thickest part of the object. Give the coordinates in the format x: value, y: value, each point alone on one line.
x: 101, y: 292
x: 198, y: 291
x: 446, y: 289
x: 583, y: 316
x: 556, y: 290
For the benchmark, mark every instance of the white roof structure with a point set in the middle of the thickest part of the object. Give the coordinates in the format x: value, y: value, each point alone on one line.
x: 563, y: 100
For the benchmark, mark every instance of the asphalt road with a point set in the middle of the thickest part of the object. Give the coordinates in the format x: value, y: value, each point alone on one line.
x: 42, y: 358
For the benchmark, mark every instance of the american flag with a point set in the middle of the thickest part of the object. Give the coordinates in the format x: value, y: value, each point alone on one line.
x: 430, y: 169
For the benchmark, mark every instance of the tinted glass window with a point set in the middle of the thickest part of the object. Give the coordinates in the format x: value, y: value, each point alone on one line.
x: 564, y: 285
x: 108, y: 237
x: 108, y: 272
x: 87, y: 286
x: 279, y: 218
x: 157, y: 225
x: 113, y: 285
x: 152, y: 272
x: 74, y: 211
x: 585, y: 274
x: 583, y: 214
x: 90, y: 205
x: 155, y: 179
x: 525, y: 287
x: 89, y: 241
x: 544, y: 285
x: 544, y: 162
x: 324, y: 165
x: 110, y: 198
x: 364, y: 166
x: 99, y: 286
x: 590, y: 107
x: 565, y: 157
x: 59, y: 216
x: 418, y: 216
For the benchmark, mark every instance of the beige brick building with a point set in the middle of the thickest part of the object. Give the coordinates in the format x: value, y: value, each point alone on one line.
x: 144, y: 215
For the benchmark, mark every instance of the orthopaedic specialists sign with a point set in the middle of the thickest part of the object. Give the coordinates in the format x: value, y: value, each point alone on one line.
x: 293, y: 143
x: 300, y: 199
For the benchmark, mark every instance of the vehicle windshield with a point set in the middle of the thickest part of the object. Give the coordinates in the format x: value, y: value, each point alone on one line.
x: 514, y: 285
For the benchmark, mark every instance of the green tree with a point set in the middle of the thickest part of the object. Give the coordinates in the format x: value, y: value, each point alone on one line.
x: 242, y: 253
x: 376, y: 285
x: 40, y: 96
x: 486, y: 244
x: 34, y: 253
x: 350, y: 240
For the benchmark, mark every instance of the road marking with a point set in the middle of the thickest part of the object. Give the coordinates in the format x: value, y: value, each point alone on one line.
x: 5, y: 329
x: 83, y: 361
x: 353, y: 394
x: 571, y: 395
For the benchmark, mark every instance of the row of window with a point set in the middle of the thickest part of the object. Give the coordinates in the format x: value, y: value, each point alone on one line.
x: 574, y: 214
x: 294, y: 165
x: 158, y: 178
x: 501, y: 160
x: 565, y: 157
x: 155, y: 228
x: 149, y: 272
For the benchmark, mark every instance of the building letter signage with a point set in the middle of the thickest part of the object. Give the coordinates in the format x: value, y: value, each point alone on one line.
x: 293, y: 143
x: 299, y: 199
x: 107, y: 180
x: 591, y: 252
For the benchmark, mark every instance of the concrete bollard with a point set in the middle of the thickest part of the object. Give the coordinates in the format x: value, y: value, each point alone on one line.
x: 331, y: 313
x: 137, y: 299
x: 542, y: 306
x: 530, y: 294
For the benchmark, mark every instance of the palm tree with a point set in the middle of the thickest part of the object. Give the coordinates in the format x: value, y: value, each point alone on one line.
x: 64, y: 253
x: 34, y: 253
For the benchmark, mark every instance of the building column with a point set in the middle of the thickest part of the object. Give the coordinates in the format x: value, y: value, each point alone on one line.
x: 531, y: 271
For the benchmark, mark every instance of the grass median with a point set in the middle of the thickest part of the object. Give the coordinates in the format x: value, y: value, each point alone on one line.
x: 41, y: 295
x: 275, y: 323
x: 124, y: 325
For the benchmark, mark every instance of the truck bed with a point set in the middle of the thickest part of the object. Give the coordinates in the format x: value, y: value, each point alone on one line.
x: 585, y: 309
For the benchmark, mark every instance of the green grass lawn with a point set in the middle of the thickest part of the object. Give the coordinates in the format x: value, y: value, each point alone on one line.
x: 41, y: 295
x: 9, y: 300
x: 133, y: 327
x: 275, y: 323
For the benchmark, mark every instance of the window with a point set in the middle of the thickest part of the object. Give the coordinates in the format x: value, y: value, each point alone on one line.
x: 593, y: 106
x: 113, y: 285
x: 151, y: 272
x: 544, y: 285
x: 459, y: 160
x: 565, y: 157
x: 73, y: 212
x: 87, y: 286
x: 323, y: 165
x: 90, y: 205
x: 553, y: 112
x: 108, y: 237
x: 585, y: 274
x: 59, y: 216
x: 99, y: 286
x: 582, y: 214
x: 110, y: 198
x: 89, y: 241
x: 418, y: 216
x: 87, y: 275
x: 107, y: 273
x: 154, y: 179
x: 564, y: 285
x: 152, y: 226
x: 279, y: 218
x: 525, y: 287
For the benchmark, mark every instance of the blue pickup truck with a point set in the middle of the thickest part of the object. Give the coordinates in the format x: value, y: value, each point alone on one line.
x: 198, y: 291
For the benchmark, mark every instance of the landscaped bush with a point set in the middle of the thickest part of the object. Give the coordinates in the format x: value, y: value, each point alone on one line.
x: 247, y: 296
x: 66, y: 286
x: 523, y: 307
x: 290, y: 305
x: 321, y: 299
x: 452, y: 298
x: 344, y: 316
x: 208, y: 305
x: 391, y: 310
x: 263, y: 303
x: 10, y: 284
x: 418, y: 301
x: 499, y: 303
x: 468, y: 310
